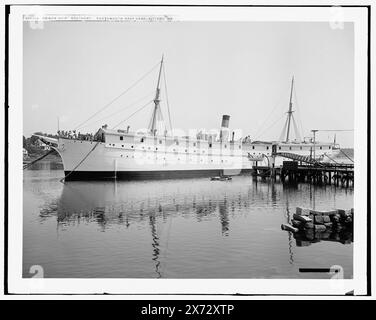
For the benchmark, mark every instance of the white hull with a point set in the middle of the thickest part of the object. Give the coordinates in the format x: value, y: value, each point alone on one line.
x: 153, y: 156
x: 124, y: 158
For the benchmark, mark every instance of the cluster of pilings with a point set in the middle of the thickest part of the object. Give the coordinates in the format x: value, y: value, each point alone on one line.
x: 291, y: 172
x: 318, y: 175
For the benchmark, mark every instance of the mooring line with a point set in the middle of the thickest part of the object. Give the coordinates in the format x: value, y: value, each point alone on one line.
x: 36, y: 160
x: 63, y: 179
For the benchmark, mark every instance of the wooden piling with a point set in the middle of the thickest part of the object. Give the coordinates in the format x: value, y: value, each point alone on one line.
x: 314, y: 174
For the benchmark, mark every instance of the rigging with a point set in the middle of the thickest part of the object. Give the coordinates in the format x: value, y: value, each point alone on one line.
x: 116, y: 98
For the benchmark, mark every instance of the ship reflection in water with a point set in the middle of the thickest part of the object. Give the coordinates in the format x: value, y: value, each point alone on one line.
x: 194, y: 228
x: 127, y: 203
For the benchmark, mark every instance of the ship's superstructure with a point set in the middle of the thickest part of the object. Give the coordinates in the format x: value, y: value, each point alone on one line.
x: 121, y: 154
x: 158, y: 153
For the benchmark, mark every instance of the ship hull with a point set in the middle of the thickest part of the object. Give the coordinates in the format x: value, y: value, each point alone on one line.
x: 89, y: 160
x: 134, y: 158
x: 147, y: 175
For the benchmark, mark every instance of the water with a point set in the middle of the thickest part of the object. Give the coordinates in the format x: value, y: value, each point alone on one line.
x: 194, y: 228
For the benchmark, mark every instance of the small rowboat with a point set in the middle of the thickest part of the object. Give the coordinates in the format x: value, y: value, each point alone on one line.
x: 221, y: 178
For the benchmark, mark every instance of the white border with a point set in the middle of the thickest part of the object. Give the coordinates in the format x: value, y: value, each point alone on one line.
x: 203, y: 286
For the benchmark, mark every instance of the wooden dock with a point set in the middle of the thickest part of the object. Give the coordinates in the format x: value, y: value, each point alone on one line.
x: 293, y: 172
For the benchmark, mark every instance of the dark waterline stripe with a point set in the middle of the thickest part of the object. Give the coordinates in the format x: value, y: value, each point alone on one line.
x: 145, y: 175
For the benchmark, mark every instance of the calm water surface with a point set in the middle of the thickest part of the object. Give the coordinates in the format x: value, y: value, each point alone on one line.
x: 193, y: 228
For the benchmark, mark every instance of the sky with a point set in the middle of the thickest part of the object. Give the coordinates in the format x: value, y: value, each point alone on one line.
x: 243, y: 69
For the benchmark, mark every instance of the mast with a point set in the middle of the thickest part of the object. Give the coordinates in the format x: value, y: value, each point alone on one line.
x: 153, y: 122
x: 289, y: 113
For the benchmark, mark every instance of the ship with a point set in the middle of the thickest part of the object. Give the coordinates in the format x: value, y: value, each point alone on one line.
x: 158, y: 154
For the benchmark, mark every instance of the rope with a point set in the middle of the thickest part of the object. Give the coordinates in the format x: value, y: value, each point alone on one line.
x: 119, y: 111
x: 283, y: 133
x: 133, y: 113
x: 36, y: 160
x: 341, y: 130
x: 278, y: 104
x: 121, y: 94
x: 331, y: 158
x: 298, y: 112
x: 168, y: 105
x: 62, y: 179
x: 347, y: 156
x: 297, y: 134
x: 269, y: 126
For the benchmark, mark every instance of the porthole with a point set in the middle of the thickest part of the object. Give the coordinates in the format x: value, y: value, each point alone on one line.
x: 121, y: 138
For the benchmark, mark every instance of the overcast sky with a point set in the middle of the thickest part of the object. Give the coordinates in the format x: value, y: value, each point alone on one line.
x: 244, y: 69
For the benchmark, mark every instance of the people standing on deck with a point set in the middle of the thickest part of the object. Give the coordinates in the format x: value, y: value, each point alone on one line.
x: 76, y: 135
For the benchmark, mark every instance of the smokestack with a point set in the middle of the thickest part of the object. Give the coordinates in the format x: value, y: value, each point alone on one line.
x: 225, y: 121
x: 224, y: 133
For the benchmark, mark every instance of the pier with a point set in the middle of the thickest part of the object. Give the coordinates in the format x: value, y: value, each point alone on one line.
x: 318, y: 173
